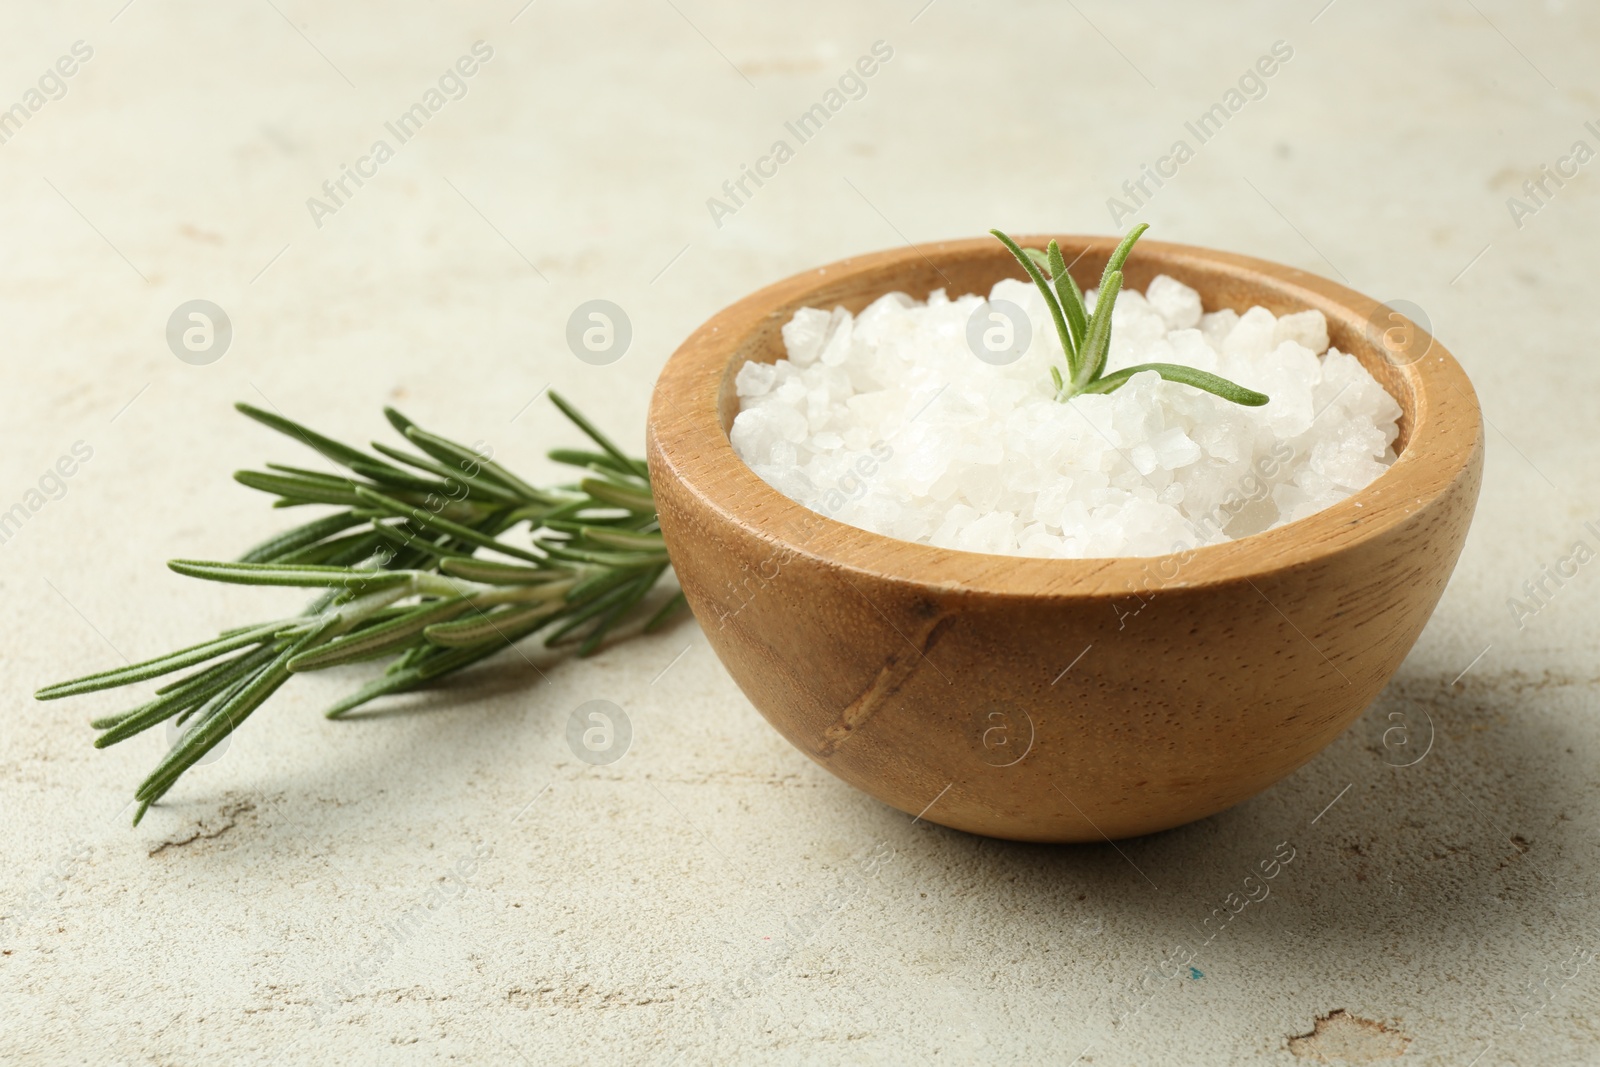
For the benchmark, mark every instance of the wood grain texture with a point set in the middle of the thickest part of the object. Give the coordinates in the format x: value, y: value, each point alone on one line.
x: 929, y: 676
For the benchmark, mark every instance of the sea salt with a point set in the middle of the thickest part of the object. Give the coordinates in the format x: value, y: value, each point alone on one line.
x: 888, y: 421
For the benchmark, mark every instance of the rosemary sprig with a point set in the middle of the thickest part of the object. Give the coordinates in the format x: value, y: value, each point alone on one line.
x: 401, y: 578
x: 1086, y: 338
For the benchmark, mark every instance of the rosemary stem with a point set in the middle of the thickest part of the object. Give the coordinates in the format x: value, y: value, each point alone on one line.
x: 400, y: 575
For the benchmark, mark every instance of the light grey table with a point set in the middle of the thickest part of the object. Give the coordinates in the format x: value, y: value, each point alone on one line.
x: 447, y: 881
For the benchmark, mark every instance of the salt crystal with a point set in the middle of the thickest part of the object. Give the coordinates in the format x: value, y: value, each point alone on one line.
x: 989, y: 533
x: 803, y: 335
x: 836, y: 349
x: 1173, y: 449
x: 755, y: 379
x: 1190, y: 349
x: 1251, y: 336
x: 1175, y: 302
x: 1216, y: 325
x: 1306, y: 328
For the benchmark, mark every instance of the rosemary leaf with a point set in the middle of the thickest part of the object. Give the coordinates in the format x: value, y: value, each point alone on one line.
x: 620, y: 560
x: 184, y: 699
x: 207, y: 732
x: 376, y: 640
x: 299, y: 488
x: 618, y: 593
x: 619, y: 496
x: 1068, y: 293
x: 489, y: 625
x: 636, y: 592
x: 440, y: 524
x: 199, y: 677
x: 399, y: 535
x: 466, y: 460
x: 638, y: 466
x: 406, y: 481
x: 355, y: 550
x: 1173, y: 372
x: 332, y: 552
x: 329, y: 448
x: 493, y: 573
x: 1068, y: 347
x: 305, y: 575
x: 574, y: 457
x: 301, y: 536
x: 1098, y: 344
x: 454, y: 480
x: 667, y: 610
x: 1119, y: 255
x: 152, y: 668
x: 625, y: 539
x: 389, y: 683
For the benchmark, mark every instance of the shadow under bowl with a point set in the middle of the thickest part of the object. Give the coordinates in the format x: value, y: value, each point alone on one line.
x: 1061, y: 700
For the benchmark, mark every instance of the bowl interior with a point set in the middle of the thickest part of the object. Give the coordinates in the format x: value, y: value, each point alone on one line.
x: 1220, y: 283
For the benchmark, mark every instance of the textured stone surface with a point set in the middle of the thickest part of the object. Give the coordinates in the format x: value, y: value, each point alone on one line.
x: 713, y: 893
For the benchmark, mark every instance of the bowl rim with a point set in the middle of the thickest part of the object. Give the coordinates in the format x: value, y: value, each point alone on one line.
x: 688, y: 445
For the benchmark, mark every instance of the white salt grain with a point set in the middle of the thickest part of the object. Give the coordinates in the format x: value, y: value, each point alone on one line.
x: 887, y: 421
x: 1175, y: 302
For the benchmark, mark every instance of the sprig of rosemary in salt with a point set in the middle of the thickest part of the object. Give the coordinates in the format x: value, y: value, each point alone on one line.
x: 401, y: 578
x: 1086, y: 337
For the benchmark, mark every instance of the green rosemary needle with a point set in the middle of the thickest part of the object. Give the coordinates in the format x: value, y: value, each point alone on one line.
x: 1086, y: 338
x: 401, y: 577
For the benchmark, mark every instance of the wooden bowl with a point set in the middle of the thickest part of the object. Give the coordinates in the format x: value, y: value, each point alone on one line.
x: 1060, y: 700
